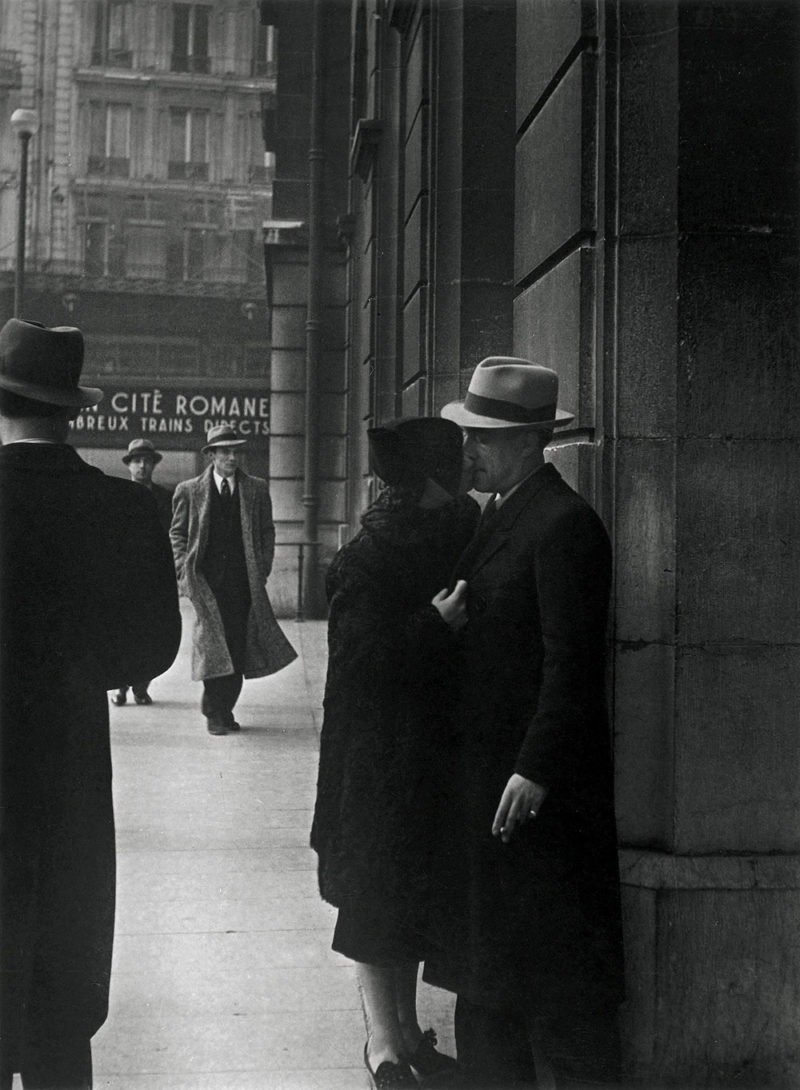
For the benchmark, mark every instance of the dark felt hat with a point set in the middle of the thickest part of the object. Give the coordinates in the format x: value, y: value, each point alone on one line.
x: 44, y: 364
x: 137, y: 448
x: 407, y: 451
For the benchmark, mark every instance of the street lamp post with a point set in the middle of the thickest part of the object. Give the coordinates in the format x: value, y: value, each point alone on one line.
x: 25, y: 124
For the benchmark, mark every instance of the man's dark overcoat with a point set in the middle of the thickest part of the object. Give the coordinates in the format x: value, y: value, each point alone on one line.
x: 267, y: 650
x: 534, y: 921
x: 88, y: 602
x: 387, y: 706
x: 163, y: 498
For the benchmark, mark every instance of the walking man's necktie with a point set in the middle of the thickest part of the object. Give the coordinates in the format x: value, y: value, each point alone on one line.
x: 225, y: 496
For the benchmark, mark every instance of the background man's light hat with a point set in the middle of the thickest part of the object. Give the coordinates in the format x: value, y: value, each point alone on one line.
x: 223, y: 435
x: 138, y: 448
x: 44, y: 364
x: 506, y: 392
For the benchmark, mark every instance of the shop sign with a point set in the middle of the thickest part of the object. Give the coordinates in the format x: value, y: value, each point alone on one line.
x: 175, y: 416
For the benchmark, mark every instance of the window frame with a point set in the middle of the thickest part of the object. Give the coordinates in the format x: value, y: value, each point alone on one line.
x: 187, y: 167
x: 191, y: 60
x: 100, y: 161
x: 102, y: 55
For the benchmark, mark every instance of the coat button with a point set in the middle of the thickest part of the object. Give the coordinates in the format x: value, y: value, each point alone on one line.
x: 479, y: 604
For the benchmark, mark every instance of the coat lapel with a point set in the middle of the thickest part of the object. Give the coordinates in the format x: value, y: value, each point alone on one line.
x: 246, y: 499
x: 202, y: 490
x: 494, y: 532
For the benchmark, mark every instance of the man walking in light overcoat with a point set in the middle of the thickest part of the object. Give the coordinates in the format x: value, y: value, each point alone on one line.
x: 223, y: 540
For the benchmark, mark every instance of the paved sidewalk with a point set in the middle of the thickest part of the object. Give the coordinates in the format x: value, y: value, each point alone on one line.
x: 223, y: 976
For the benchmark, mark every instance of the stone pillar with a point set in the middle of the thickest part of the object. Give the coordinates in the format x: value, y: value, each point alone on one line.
x: 472, y: 201
x: 705, y: 461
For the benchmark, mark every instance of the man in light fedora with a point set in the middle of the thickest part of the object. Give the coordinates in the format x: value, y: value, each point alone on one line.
x: 527, y: 928
x: 141, y: 458
x: 87, y: 600
x: 223, y: 540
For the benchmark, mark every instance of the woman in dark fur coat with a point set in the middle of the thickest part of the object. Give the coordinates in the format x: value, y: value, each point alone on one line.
x: 388, y: 699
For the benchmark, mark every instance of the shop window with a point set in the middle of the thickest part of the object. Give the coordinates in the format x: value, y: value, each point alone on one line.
x: 193, y: 256
x: 179, y: 358
x: 103, y: 251
x: 94, y: 249
x: 145, y: 251
x: 135, y: 357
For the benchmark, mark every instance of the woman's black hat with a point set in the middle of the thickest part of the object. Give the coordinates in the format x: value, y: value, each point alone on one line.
x: 405, y: 452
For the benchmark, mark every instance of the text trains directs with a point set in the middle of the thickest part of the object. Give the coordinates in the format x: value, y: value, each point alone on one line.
x: 163, y: 425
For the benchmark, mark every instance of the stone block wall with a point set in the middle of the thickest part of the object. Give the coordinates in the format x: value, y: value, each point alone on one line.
x: 704, y: 448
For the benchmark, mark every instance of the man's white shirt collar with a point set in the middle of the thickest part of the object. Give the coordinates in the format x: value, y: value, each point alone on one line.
x: 500, y: 500
x: 218, y: 479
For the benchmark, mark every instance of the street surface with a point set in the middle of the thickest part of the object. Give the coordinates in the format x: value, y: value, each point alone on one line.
x: 223, y: 976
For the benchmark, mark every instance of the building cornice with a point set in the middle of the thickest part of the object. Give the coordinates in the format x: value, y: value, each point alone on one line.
x: 123, y: 77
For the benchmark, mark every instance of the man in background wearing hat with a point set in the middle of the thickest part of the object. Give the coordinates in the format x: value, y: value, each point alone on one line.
x: 223, y: 540
x: 141, y: 458
x: 88, y: 599
x: 528, y: 927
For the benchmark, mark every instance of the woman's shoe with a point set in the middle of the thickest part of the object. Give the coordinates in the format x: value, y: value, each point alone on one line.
x: 143, y: 698
x: 119, y: 698
x: 390, y: 1075
x: 433, y: 1068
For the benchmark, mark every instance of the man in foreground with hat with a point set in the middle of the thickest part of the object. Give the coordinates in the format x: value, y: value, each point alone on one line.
x: 141, y: 458
x: 87, y: 600
x: 528, y: 928
x: 223, y: 540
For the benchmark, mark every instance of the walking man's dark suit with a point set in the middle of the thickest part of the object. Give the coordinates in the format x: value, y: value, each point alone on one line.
x: 223, y: 540
x: 527, y: 928
x: 141, y: 458
x: 88, y: 601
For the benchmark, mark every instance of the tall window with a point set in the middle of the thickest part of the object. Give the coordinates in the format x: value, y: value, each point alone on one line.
x: 110, y: 139
x: 102, y: 250
x: 112, y: 33
x: 188, y: 144
x: 190, y: 37
x: 265, y: 58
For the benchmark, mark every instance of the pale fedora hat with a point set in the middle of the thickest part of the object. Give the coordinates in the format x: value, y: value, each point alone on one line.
x: 223, y: 435
x: 138, y: 448
x: 506, y: 392
x: 44, y: 364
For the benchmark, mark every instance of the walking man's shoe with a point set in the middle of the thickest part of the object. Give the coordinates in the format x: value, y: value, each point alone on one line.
x: 216, y: 726
x: 119, y: 698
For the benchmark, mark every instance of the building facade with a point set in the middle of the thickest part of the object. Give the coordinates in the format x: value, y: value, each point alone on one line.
x: 610, y: 187
x: 149, y: 184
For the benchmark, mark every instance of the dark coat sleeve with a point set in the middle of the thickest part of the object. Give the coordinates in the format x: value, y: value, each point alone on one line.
x: 140, y: 633
x: 265, y: 547
x: 573, y: 573
x: 379, y: 629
